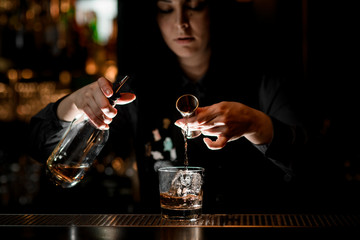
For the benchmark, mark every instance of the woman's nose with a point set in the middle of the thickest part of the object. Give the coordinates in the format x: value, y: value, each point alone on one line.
x: 182, y: 20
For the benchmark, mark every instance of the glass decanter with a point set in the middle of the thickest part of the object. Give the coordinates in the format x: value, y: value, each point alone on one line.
x: 78, y: 148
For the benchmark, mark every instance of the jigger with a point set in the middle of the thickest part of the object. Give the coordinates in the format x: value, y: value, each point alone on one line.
x: 187, y: 105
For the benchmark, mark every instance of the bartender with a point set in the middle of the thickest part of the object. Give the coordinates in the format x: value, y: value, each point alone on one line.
x: 252, y: 136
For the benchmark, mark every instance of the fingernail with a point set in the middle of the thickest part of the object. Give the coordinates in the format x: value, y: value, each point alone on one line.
x: 104, y: 127
x: 107, y: 121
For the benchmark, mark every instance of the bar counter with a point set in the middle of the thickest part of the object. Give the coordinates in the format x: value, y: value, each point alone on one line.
x: 152, y: 226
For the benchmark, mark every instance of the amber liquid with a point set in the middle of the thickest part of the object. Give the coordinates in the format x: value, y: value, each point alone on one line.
x: 186, y: 105
x: 67, y: 176
x: 183, y: 208
x: 186, y: 158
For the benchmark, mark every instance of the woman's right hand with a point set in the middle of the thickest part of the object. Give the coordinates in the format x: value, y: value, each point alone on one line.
x: 92, y: 100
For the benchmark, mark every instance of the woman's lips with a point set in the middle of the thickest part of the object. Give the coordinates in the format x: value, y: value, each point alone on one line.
x: 184, y: 40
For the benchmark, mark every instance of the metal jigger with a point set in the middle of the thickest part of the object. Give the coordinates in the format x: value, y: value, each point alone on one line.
x: 187, y: 105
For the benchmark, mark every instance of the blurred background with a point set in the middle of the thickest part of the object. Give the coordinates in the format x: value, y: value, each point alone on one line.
x: 49, y: 48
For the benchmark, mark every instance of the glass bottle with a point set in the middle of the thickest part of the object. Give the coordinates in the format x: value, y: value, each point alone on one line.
x: 78, y: 148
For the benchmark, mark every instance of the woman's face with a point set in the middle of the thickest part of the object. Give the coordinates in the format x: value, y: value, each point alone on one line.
x: 184, y: 25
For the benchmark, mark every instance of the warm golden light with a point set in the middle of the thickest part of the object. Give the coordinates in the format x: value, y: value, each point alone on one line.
x: 111, y: 72
x: 65, y: 78
x: 12, y: 75
x: 27, y: 73
x: 118, y: 165
x: 26, y: 90
x: 3, y: 89
x: 54, y: 8
x: 23, y: 109
x: 65, y: 6
x: 135, y: 166
x: 91, y: 67
x: 30, y: 14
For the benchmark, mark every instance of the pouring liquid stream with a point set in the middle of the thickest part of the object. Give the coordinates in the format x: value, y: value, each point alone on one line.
x: 186, y: 158
x: 187, y: 105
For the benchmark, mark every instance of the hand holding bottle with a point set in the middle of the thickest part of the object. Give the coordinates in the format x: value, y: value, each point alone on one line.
x: 83, y: 140
x: 93, y: 101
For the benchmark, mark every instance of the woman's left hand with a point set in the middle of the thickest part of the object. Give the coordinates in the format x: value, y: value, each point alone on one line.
x: 228, y: 121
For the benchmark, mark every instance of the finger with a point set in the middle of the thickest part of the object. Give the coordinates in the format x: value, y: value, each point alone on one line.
x: 219, y: 143
x: 203, y: 116
x: 181, y: 123
x: 94, y: 118
x: 108, y: 115
x: 99, y: 110
x: 126, y: 98
x: 193, y: 121
x: 101, y: 107
x: 105, y: 86
x: 213, y: 131
x: 104, y: 107
x: 210, y: 127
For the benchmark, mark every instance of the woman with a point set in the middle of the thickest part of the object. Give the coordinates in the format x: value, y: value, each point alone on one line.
x: 244, y: 115
x: 187, y: 33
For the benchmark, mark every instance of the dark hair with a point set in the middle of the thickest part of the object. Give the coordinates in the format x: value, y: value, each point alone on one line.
x: 142, y: 48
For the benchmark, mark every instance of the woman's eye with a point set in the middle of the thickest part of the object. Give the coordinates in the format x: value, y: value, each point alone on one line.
x: 196, y: 7
x: 164, y: 7
x: 165, y: 10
